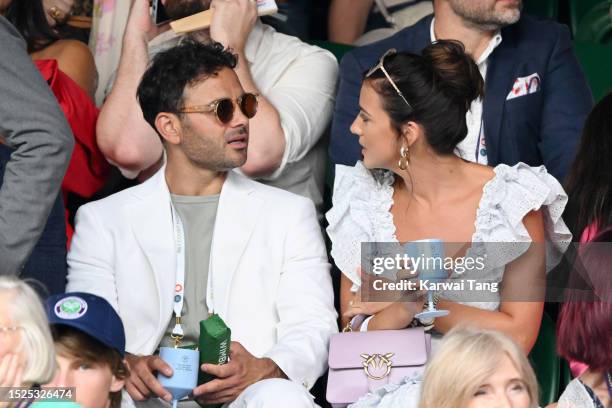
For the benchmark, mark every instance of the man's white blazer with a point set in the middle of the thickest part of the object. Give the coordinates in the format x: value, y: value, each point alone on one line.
x: 268, y: 263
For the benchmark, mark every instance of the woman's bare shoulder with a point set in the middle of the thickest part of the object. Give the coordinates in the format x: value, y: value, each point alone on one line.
x: 73, y: 52
x: 64, y: 48
x: 479, y: 174
x: 75, y: 60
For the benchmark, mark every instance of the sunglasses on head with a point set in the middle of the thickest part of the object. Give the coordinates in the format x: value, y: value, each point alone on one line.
x: 381, y: 66
x: 224, y: 108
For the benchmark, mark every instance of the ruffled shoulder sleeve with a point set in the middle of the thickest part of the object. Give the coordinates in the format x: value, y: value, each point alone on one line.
x: 360, y: 213
x: 576, y: 395
x: 509, y: 197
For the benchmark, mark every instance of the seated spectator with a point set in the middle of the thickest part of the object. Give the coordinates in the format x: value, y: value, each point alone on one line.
x: 68, y: 68
x: 45, y: 42
x: 589, y: 208
x: 479, y: 368
x: 295, y: 82
x: 590, y: 205
x: 90, y: 346
x: 584, y: 327
x: 536, y: 96
x: 253, y: 254
x: 33, y: 160
x: 366, y: 21
x: 412, y: 187
x: 26, y: 348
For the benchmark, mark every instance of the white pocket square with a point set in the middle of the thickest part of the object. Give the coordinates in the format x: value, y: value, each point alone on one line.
x: 524, y: 86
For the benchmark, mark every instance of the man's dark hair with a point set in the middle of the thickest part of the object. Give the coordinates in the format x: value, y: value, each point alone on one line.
x: 162, y: 85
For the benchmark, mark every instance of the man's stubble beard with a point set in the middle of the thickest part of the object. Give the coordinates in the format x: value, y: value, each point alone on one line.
x: 206, y: 154
x: 483, y: 18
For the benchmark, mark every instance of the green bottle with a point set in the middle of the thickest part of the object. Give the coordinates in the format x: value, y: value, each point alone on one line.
x: 214, y: 345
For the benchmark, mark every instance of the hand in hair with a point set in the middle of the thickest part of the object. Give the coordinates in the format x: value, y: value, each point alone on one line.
x: 232, y: 22
x: 140, y: 25
x: 243, y: 370
x: 11, y: 372
x: 61, y: 7
x: 142, y: 383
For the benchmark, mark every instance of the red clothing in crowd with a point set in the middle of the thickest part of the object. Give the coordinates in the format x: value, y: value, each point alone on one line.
x: 88, y: 168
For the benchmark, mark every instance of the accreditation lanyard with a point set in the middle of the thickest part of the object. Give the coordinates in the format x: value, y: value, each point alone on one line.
x: 179, y: 287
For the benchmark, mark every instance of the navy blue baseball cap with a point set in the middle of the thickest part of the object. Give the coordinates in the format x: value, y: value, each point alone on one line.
x: 90, y: 314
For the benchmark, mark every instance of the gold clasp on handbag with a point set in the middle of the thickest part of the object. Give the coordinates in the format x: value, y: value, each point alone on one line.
x: 375, y: 361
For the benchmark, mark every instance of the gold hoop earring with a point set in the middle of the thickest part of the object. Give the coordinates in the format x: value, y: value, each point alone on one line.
x: 404, y: 158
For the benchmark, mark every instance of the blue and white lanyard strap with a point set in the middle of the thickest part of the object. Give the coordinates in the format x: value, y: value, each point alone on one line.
x: 179, y: 288
x: 478, y: 141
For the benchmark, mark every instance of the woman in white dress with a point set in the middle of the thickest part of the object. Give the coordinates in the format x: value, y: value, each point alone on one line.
x: 412, y: 185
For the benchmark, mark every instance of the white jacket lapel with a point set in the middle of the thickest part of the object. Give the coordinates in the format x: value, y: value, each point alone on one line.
x: 237, y: 215
x: 151, y: 222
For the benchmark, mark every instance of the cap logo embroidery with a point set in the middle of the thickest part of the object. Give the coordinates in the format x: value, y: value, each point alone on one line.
x: 70, y: 308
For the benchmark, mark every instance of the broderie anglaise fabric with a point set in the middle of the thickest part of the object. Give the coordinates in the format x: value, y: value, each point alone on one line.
x: 362, y: 201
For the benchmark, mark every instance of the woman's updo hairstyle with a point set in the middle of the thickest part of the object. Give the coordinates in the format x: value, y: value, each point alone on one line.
x: 440, y: 86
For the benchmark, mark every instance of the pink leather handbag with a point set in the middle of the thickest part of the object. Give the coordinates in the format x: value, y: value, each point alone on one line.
x: 360, y: 362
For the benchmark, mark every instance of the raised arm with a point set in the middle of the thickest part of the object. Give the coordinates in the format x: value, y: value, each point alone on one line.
x: 304, y: 109
x: 232, y: 23
x: 347, y: 19
x: 295, y: 112
x: 124, y: 137
x: 32, y: 123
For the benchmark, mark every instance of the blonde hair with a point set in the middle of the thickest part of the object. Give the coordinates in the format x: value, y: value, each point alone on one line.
x: 467, y: 358
x: 26, y: 311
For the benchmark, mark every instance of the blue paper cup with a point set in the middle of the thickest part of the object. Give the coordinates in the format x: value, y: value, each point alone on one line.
x: 185, y: 364
x: 431, y: 267
x: 431, y: 252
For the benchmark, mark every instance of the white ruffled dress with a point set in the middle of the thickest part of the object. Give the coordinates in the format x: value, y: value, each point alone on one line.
x: 362, y: 200
x: 576, y: 395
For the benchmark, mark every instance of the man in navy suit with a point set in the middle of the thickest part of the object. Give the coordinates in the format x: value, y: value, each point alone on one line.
x: 536, y: 95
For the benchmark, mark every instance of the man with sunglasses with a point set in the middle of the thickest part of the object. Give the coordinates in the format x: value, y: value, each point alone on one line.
x: 296, y: 83
x: 536, y: 95
x: 198, y: 238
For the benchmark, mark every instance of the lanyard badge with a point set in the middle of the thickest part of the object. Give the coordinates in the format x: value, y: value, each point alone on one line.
x: 179, y: 288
